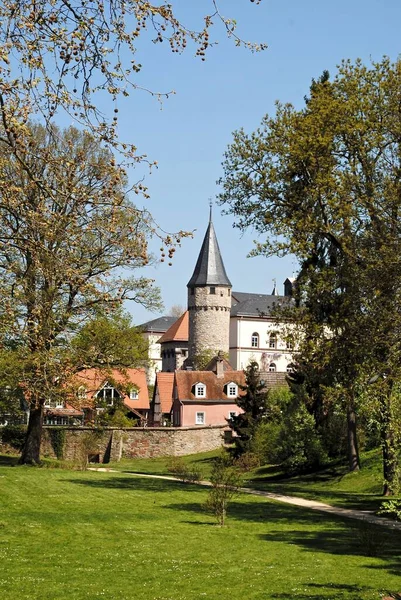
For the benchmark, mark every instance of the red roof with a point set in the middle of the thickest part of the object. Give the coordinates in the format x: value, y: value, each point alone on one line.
x: 92, y: 380
x: 185, y: 380
x: 165, y: 385
x: 178, y: 332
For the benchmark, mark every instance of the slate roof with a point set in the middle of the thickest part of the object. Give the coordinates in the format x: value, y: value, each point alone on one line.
x: 209, y: 269
x: 165, y: 384
x: 159, y: 325
x: 185, y: 380
x: 178, y: 332
x: 255, y: 305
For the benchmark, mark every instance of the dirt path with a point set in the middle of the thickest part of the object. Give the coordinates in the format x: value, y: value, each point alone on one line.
x: 361, y: 515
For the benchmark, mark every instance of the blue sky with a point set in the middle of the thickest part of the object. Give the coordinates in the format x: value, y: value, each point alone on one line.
x: 233, y: 88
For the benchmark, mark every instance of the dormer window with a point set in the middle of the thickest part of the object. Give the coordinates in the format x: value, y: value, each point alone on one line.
x: 231, y: 390
x: 200, y: 390
x: 108, y: 394
x: 133, y: 394
x: 81, y: 393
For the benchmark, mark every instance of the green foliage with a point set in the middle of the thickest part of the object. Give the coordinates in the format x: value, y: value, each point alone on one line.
x: 57, y: 440
x: 331, y: 195
x: 254, y: 404
x: 203, y: 358
x: 392, y: 508
x: 294, y: 443
x: 109, y: 341
x: 225, y: 480
x: 13, y: 436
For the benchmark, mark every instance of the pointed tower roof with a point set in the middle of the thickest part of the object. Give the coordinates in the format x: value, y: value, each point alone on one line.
x: 209, y: 269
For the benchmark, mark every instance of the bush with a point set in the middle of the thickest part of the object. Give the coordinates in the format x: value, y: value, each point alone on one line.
x: 184, y: 472
x: 371, y: 538
x: 13, y: 436
x: 226, y: 480
x: 391, y: 508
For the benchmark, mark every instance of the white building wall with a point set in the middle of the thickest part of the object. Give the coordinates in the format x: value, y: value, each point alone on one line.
x: 242, y: 352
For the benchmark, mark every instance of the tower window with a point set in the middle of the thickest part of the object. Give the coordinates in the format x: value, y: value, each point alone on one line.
x: 229, y: 292
x: 212, y: 290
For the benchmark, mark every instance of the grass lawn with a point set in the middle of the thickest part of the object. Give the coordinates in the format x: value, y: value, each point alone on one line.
x: 334, y: 485
x: 79, y: 535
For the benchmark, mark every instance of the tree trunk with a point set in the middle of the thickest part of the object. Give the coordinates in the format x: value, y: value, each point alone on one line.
x: 353, y: 451
x: 31, y: 451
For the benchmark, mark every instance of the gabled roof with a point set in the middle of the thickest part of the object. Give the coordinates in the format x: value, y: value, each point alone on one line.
x: 185, y: 380
x: 178, y: 332
x: 165, y: 385
x: 209, y: 269
x: 256, y: 305
x: 159, y: 325
x: 94, y: 379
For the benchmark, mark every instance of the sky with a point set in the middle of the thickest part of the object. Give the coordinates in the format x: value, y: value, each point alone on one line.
x: 189, y: 132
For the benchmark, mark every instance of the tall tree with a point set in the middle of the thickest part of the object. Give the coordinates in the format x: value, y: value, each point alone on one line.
x: 324, y: 183
x: 254, y: 406
x: 69, y: 248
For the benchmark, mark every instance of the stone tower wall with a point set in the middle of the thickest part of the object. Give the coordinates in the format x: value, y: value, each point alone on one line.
x: 209, y: 319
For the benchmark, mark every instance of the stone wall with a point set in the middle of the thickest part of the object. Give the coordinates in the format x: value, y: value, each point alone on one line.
x: 112, y: 444
x: 209, y: 319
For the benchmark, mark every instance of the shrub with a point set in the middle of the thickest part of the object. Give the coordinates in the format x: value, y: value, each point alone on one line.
x: 371, y: 539
x: 13, y: 436
x: 184, y: 472
x: 392, y: 508
x: 226, y: 480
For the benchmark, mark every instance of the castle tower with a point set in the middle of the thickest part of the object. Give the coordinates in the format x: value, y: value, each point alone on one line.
x: 209, y: 300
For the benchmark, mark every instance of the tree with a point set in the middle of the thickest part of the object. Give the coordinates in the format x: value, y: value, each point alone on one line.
x: 64, y: 57
x: 69, y: 248
x: 324, y: 184
x: 109, y: 341
x: 255, y: 408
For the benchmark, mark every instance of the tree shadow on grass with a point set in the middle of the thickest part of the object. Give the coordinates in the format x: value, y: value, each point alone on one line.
x: 146, y: 484
x: 315, y: 532
x: 329, y: 591
x: 8, y: 461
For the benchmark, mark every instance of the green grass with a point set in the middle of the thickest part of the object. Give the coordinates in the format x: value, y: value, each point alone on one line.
x: 79, y: 535
x: 334, y: 485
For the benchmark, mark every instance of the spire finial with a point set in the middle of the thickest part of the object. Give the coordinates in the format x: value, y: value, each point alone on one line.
x: 211, y: 205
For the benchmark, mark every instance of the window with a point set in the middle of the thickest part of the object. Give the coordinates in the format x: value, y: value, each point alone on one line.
x: 200, y: 418
x: 133, y: 394
x: 212, y: 290
x: 255, y: 340
x: 232, y: 414
x: 290, y: 368
x: 272, y: 340
x: 229, y: 292
x: 200, y: 390
x: 108, y: 394
x: 47, y: 403
x: 232, y: 390
x: 81, y: 393
x: 289, y: 344
x: 272, y: 368
x: 59, y: 404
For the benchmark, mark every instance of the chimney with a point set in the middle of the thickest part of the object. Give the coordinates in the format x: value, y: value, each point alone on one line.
x: 220, y: 364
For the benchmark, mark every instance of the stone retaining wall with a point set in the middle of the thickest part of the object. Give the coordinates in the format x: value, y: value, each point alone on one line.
x: 112, y: 444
